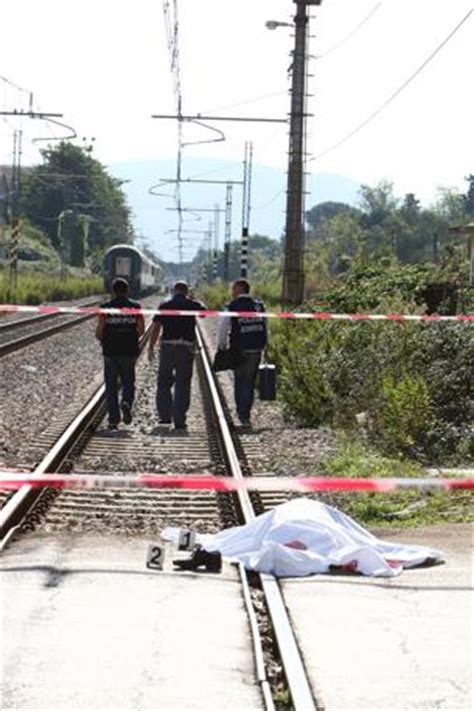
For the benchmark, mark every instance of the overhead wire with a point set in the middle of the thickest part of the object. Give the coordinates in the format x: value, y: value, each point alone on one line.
x: 397, y: 92
x: 170, y: 9
x: 351, y: 34
x: 331, y: 49
x: 255, y: 99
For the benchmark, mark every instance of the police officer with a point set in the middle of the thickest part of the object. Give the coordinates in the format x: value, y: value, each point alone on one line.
x: 247, y: 335
x: 178, y: 341
x: 119, y: 335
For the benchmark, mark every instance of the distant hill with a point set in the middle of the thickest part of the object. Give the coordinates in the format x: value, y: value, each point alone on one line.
x: 268, y: 198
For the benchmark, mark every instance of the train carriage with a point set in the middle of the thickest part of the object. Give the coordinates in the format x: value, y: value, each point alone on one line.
x: 123, y: 260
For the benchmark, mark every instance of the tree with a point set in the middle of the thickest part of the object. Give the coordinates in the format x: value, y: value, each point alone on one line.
x: 325, y: 211
x: 378, y: 204
x: 340, y: 239
x: 450, y: 206
x: 71, y: 179
x: 469, y: 197
x: 410, y: 209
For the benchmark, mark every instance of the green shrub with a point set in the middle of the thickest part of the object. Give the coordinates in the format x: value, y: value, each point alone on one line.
x: 214, y: 295
x: 406, y: 414
x: 414, y: 382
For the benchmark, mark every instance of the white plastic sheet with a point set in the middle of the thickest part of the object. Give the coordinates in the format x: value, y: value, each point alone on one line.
x: 303, y: 537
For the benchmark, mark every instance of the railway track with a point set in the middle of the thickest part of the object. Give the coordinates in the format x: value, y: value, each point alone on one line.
x: 208, y: 447
x: 21, y: 332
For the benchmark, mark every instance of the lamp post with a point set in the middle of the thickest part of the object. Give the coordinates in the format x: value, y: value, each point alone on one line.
x: 293, y: 270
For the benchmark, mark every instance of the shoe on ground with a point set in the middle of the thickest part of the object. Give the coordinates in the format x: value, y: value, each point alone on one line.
x: 126, y: 413
x: 112, y: 428
x: 245, y: 422
x: 181, y: 426
x: 211, y: 560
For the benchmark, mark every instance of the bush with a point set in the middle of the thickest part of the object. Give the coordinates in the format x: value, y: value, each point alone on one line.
x: 406, y: 413
x: 414, y: 382
x: 215, y: 296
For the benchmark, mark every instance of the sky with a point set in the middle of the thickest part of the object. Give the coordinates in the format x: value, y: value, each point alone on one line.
x: 105, y: 66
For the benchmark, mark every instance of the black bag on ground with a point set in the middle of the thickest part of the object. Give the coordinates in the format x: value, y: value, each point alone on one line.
x: 227, y: 359
x: 267, y: 382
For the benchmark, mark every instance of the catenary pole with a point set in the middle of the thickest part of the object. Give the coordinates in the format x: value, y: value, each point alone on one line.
x: 293, y: 271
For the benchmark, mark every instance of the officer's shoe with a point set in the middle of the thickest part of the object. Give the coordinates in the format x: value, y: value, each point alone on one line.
x: 126, y: 413
x: 112, y: 428
x: 212, y: 560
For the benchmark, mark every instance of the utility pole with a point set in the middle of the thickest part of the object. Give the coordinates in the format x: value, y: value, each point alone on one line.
x: 246, y: 206
x: 209, y: 250
x: 293, y: 271
x: 15, y: 222
x: 216, y: 242
x: 63, y: 240
x: 228, y: 230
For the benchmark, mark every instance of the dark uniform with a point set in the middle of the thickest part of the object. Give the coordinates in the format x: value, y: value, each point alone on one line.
x: 120, y: 349
x: 249, y: 336
x: 177, y: 349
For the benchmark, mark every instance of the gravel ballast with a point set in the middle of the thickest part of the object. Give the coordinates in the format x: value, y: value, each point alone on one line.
x: 42, y: 382
x: 274, y: 445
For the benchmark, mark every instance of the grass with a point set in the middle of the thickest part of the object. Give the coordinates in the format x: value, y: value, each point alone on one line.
x: 216, y: 295
x: 356, y: 459
x: 400, y: 508
x: 34, y: 288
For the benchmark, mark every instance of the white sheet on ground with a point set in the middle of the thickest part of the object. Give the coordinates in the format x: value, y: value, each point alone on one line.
x: 303, y: 537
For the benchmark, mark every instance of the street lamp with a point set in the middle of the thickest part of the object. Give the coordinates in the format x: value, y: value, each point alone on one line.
x: 273, y: 24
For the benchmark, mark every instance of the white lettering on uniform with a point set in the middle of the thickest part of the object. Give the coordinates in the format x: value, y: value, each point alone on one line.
x: 120, y: 319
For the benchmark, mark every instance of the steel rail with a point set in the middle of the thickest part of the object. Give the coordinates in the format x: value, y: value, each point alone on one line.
x: 18, y: 506
x: 18, y: 323
x: 25, y: 498
x: 22, y: 502
x: 23, y: 341
x: 297, y: 679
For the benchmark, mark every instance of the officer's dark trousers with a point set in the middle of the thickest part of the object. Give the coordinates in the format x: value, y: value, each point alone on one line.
x: 115, y: 368
x: 245, y: 377
x: 175, y: 368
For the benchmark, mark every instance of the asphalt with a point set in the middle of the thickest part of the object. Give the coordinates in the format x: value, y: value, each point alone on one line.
x: 399, y: 643
x: 87, y: 626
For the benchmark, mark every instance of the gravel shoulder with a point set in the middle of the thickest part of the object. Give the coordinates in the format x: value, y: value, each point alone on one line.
x: 43, y: 383
x: 274, y: 445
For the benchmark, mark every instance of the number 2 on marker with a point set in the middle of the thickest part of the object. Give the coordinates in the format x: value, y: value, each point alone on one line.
x: 155, y: 557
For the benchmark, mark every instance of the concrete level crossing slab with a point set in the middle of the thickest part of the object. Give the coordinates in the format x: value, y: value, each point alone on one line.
x: 400, y: 643
x: 87, y: 626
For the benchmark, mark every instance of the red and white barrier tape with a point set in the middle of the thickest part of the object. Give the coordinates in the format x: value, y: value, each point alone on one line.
x: 11, y: 480
x: 317, y: 316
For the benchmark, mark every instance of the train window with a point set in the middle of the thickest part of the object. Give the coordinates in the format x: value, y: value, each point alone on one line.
x: 123, y: 266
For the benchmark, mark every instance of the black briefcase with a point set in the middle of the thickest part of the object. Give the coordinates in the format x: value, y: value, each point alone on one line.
x: 267, y: 382
x: 227, y: 359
